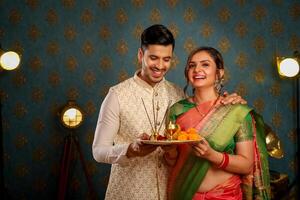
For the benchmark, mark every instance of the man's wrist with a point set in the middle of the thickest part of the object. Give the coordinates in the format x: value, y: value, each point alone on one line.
x: 130, y: 151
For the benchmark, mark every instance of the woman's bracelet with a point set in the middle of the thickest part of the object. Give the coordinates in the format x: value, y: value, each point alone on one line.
x: 225, y: 161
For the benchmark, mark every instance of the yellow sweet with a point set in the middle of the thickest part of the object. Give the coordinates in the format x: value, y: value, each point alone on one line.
x: 192, y: 131
x: 194, y: 136
x: 182, y: 137
x: 189, y: 134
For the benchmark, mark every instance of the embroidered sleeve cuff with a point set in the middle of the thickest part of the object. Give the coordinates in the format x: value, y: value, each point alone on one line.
x: 121, y: 157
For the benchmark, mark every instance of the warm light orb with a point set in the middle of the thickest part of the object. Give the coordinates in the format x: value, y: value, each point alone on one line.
x: 72, y: 117
x: 9, y: 60
x: 288, y: 67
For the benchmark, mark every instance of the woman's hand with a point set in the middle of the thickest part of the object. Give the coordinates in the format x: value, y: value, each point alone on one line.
x: 202, y: 149
x: 240, y: 163
x: 233, y: 98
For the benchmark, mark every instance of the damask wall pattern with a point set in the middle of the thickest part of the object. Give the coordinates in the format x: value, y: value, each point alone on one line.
x: 76, y: 50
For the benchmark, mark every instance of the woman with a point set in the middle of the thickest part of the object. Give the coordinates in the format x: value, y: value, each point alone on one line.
x: 231, y: 161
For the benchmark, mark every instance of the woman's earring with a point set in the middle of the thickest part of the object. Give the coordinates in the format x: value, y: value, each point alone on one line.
x: 219, y: 84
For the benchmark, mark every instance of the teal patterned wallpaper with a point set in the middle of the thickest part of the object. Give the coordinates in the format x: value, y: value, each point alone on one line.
x: 76, y: 50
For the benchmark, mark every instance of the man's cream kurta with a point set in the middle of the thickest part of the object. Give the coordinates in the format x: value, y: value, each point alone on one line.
x: 140, y: 177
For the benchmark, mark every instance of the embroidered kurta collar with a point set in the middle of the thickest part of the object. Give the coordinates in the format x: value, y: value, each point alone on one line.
x: 144, y: 84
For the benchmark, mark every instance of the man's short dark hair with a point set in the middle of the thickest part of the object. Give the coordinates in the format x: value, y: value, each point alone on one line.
x: 157, y: 34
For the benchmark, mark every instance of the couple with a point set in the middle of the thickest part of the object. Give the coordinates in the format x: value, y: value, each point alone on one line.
x: 142, y: 171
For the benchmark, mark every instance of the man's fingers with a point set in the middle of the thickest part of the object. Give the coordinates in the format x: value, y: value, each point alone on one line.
x: 144, y: 136
x: 225, y: 93
x: 239, y: 100
x: 233, y: 98
x: 243, y: 101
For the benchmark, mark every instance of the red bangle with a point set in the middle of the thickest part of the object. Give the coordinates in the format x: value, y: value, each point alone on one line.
x: 225, y: 161
x: 221, y: 163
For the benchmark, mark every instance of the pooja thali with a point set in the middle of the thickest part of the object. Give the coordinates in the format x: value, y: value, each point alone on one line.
x: 169, y: 142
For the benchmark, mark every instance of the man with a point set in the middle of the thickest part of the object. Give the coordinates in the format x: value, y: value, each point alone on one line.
x: 134, y: 106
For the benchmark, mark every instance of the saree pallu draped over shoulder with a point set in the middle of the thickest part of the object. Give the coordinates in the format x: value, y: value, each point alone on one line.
x: 218, y: 127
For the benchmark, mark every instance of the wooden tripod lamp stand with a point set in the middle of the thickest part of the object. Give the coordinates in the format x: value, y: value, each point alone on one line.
x: 71, y: 118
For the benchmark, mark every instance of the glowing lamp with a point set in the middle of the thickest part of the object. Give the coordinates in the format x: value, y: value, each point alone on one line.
x: 71, y: 115
x: 288, y: 67
x: 9, y: 60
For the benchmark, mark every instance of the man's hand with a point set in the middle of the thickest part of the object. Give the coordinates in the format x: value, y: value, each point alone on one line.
x: 232, y: 99
x: 169, y: 148
x: 137, y: 148
x: 170, y: 154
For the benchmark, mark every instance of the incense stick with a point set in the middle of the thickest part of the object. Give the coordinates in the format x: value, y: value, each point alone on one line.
x: 169, y: 103
x: 157, y: 109
x: 153, y: 112
x: 147, y: 115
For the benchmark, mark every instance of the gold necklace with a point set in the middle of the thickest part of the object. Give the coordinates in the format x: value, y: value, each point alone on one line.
x: 203, y: 115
